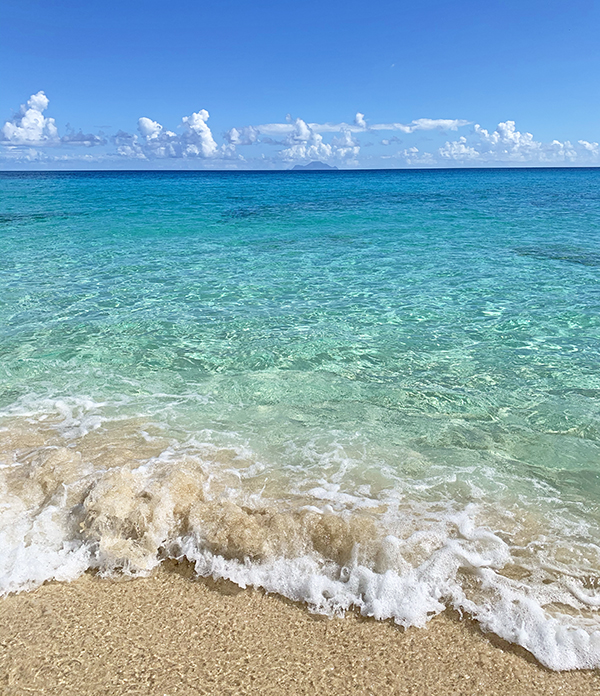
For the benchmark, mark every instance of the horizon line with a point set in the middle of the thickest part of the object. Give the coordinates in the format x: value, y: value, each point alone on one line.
x: 291, y: 170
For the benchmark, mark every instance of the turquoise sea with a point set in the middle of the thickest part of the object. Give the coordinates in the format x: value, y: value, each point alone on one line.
x: 377, y: 389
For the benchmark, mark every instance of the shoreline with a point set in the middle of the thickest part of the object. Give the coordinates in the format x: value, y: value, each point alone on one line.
x: 173, y: 633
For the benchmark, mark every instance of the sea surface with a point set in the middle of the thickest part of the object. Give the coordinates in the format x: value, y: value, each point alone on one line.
x: 377, y: 389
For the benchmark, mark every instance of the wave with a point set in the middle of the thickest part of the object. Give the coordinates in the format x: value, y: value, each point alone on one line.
x: 80, y: 491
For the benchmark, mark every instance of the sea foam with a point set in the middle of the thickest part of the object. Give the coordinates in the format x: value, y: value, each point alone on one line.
x: 80, y: 492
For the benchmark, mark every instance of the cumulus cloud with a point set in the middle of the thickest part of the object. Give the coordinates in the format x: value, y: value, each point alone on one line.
x: 506, y: 144
x: 154, y: 141
x: 359, y: 120
x: 304, y: 144
x: 197, y: 136
x: 30, y: 126
x: 27, y: 134
x: 148, y: 128
x: 413, y: 157
x: 346, y: 146
x: 458, y: 150
x: 589, y: 147
x: 195, y: 140
x: 303, y: 140
x: 242, y: 136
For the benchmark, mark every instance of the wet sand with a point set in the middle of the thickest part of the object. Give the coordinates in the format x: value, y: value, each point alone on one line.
x: 173, y: 634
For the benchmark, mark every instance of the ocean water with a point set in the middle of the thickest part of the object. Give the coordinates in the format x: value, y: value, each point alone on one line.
x: 357, y: 389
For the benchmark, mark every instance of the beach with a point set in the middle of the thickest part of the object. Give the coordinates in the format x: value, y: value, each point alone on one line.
x: 374, y: 394
x: 174, y: 634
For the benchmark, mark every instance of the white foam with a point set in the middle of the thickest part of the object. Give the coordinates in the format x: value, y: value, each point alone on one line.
x: 393, y: 552
x: 414, y: 597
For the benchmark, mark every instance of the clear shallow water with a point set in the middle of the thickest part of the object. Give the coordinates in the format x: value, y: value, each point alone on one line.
x: 378, y: 389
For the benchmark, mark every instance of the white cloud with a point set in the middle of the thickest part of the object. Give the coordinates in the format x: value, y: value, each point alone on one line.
x: 359, y: 120
x: 423, y: 124
x: 154, y: 142
x: 303, y: 140
x: 508, y: 145
x: 279, y: 130
x: 148, y: 128
x: 506, y: 142
x: 458, y: 150
x: 131, y: 152
x: 589, y: 147
x: 304, y: 144
x: 197, y: 139
x: 30, y: 126
x: 23, y: 137
x: 345, y: 146
x: 242, y: 136
x: 419, y: 124
x: 301, y: 133
x: 413, y: 157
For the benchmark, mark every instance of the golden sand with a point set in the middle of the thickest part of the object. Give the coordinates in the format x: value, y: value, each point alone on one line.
x: 173, y: 634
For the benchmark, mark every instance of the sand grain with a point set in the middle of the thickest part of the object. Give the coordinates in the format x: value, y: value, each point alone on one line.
x: 171, y: 634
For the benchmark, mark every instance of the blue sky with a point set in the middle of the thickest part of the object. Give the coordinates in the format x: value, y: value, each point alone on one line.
x: 234, y: 84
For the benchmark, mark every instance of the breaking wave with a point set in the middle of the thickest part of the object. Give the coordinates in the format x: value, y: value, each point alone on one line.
x: 80, y: 491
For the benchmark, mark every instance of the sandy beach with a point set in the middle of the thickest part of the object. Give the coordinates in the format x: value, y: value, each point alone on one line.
x: 175, y: 634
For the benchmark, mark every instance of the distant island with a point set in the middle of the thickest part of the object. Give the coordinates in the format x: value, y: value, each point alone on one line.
x: 311, y: 167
